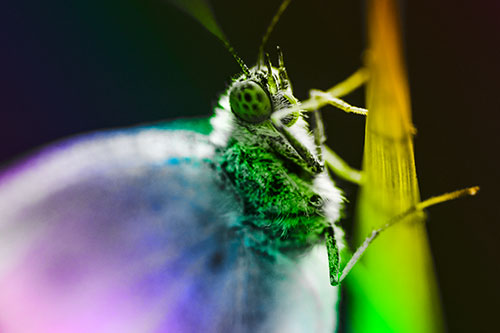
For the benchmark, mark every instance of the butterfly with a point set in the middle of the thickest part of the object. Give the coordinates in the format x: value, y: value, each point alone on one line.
x: 220, y: 225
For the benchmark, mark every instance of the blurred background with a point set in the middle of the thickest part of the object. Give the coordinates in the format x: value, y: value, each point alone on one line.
x: 70, y: 67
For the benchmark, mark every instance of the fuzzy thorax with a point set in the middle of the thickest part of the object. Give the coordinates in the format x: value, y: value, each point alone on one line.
x: 286, y: 206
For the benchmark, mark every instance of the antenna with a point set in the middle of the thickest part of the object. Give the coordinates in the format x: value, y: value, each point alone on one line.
x: 201, y: 11
x: 276, y: 17
x: 240, y: 62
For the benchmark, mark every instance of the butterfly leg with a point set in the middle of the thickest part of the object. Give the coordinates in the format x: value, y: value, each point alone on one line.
x: 410, y: 212
x: 334, y: 162
x: 340, y: 167
x: 325, y: 154
x: 338, y: 275
x: 324, y: 98
x: 318, y: 129
x: 333, y: 256
x: 353, y: 82
x: 332, y: 96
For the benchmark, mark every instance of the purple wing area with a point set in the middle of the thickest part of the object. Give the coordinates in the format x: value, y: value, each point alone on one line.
x: 131, y: 231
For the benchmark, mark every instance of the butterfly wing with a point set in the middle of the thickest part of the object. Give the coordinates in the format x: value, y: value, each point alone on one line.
x: 133, y: 231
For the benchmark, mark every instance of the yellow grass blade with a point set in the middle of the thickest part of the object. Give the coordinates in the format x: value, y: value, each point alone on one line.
x: 394, y: 290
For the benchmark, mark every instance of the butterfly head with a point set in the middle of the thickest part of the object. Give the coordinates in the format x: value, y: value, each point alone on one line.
x: 253, y: 97
x: 250, y: 102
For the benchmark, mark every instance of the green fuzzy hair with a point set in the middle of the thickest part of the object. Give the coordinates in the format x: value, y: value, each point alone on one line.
x: 282, y: 212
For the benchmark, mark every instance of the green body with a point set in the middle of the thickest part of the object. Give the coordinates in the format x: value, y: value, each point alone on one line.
x: 275, y: 168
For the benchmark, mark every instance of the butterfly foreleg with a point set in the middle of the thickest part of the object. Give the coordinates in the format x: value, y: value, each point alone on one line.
x: 319, y: 98
x: 340, y: 167
x: 353, y: 82
x: 324, y: 98
x: 328, y: 156
x: 318, y: 129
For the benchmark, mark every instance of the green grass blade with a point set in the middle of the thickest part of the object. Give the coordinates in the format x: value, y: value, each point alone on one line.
x: 394, y: 288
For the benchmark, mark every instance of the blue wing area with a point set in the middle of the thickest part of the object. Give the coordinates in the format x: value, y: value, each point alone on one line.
x: 132, y: 231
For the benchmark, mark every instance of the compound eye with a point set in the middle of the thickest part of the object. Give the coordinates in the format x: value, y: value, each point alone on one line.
x: 249, y: 102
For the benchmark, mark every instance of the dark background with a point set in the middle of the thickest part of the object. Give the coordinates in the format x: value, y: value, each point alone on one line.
x: 68, y: 67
